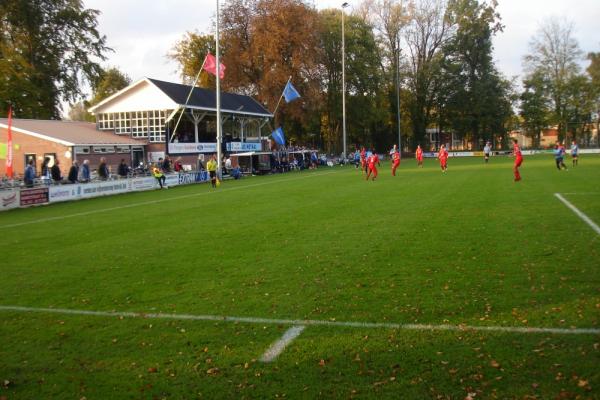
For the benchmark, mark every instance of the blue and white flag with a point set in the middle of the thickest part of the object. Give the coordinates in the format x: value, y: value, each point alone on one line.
x: 278, y: 136
x: 290, y: 93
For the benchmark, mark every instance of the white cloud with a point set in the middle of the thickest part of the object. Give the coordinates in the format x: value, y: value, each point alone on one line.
x: 143, y: 32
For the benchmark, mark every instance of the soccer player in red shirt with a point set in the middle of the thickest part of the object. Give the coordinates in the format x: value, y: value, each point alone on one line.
x: 443, y: 157
x: 419, y: 156
x: 395, y: 160
x: 518, y: 159
x: 363, y: 159
x: 374, y: 159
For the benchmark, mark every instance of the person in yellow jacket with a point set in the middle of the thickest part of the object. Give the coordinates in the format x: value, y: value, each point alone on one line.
x: 160, y: 177
x: 211, y: 167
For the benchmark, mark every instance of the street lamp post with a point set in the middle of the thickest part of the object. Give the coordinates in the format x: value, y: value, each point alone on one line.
x: 344, y: 5
x: 398, y: 97
x: 218, y: 99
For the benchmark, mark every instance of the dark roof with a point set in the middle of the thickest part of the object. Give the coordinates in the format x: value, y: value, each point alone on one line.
x: 206, y: 99
x: 70, y: 133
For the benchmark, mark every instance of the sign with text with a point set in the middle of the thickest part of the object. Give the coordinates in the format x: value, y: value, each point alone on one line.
x: 243, y: 146
x: 30, y: 197
x: 9, y: 199
x: 188, y: 148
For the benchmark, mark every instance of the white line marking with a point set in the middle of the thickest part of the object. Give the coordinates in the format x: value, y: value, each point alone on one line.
x: 582, y: 193
x: 276, y: 348
x: 581, y: 215
x: 145, y: 203
x: 251, y: 320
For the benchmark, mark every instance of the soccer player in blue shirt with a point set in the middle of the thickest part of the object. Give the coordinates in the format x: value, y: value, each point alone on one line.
x: 574, y: 152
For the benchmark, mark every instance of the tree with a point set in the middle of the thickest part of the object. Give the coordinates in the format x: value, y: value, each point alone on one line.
x: 189, y: 53
x: 426, y: 34
x: 535, y: 107
x: 365, y: 112
x: 109, y: 82
x: 47, y: 48
x: 472, y: 99
x: 554, y: 53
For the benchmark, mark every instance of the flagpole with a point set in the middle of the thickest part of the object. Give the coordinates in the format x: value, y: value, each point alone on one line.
x: 188, y: 99
x: 281, y: 97
x: 219, y: 161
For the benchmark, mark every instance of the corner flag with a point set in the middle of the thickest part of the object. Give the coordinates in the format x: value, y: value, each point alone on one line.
x: 278, y: 136
x: 290, y: 93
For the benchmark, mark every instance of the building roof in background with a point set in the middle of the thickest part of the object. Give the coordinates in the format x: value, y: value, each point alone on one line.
x: 173, y: 95
x: 206, y: 99
x: 68, y: 133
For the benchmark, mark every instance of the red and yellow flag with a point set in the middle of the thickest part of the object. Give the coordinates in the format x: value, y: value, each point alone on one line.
x: 9, y: 145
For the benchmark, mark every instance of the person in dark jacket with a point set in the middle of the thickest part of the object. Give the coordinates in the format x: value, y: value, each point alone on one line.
x: 103, y: 169
x: 73, y: 172
x: 45, y: 171
x: 123, y: 169
x: 55, y: 172
x: 85, y: 171
x: 29, y: 174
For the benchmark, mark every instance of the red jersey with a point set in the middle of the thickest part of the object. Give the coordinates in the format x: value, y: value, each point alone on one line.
x: 396, y: 157
x: 443, y: 155
x: 419, y: 154
x: 517, y: 151
x: 374, y: 159
x: 363, y: 154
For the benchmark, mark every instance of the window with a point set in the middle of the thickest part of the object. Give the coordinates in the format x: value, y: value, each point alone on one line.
x: 156, y: 125
x: 106, y: 121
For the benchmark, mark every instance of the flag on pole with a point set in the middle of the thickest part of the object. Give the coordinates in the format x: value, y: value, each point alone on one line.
x: 9, y: 155
x: 210, y: 65
x: 290, y: 93
x: 278, y: 136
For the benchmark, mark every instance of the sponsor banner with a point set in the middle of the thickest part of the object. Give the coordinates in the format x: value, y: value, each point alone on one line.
x: 139, y: 184
x: 429, y: 154
x: 31, y: 197
x: 589, y: 151
x: 187, y: 148
x: 480, y: 153
x: 64, y: 193
x: 104, y: 188
x: 193, y: 177
x: 171, y: 180
x: 9, y: 199
x: 460, y: 154
x: 243, y: 146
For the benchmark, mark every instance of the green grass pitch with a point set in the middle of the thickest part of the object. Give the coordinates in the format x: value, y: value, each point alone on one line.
x: 466, y: 248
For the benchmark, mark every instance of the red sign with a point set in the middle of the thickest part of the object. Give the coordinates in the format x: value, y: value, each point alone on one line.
x: 34, y: 196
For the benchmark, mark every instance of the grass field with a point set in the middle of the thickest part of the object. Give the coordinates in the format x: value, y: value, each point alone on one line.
x: 466, y: 248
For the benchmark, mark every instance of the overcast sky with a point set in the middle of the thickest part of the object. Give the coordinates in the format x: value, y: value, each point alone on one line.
x: 143, y: 32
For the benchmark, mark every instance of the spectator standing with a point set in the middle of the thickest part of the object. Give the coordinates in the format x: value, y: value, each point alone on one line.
x: 45, y: 171
x: 103, y: 173
x: 166, y: 165
x: 73, y: 172
x: 85, y: 171
x: 123, y: 169
x: 178, y: 166
x: 29, y: 174
x: 55, y: 172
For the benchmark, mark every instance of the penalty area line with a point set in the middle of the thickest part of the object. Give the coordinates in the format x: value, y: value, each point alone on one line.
x: 309, y: 322
x: 581, y: 215
x: 145, y: 203
x: 277, y: 348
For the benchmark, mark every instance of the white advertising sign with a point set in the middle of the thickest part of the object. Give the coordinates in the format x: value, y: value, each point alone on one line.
x: 64, y: 193
x: 104, y: 188
x: 243, y: 146
x: 186, y: 148
x: 9, y: 199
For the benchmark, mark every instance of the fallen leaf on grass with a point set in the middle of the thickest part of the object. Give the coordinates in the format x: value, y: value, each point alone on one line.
x: 213, y: 371
x: 494, y: 364
x: 322, y: 363
x: 582, y: 383
x: 153, y: 370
